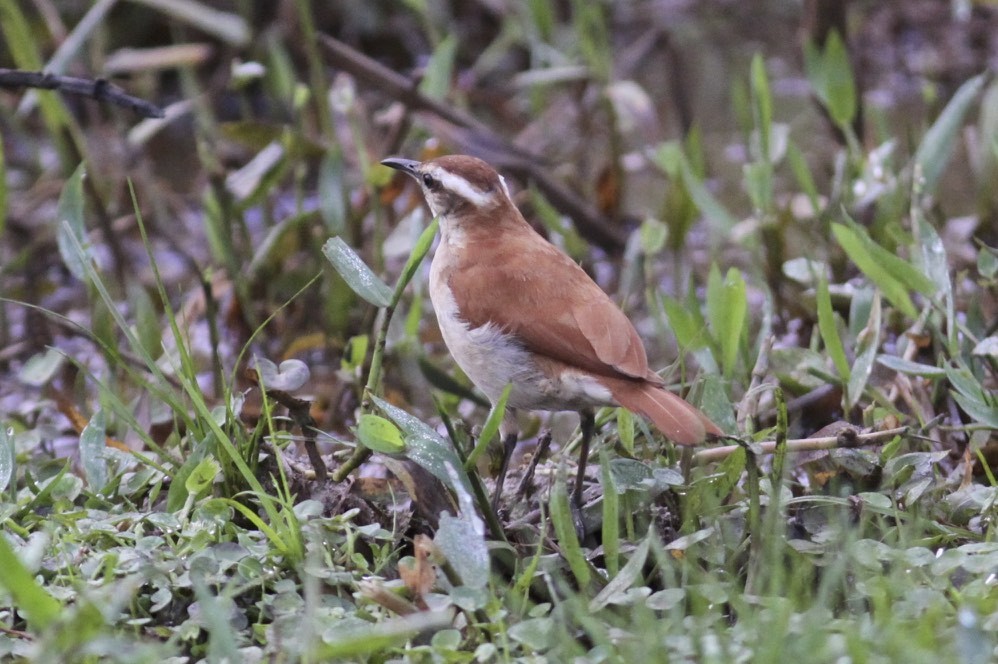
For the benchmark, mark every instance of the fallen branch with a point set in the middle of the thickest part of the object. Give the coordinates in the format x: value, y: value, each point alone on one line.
x: 99, y: 89
x: 846, y: 439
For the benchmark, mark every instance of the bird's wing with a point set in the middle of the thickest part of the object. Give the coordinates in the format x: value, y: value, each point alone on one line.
x: 549, y: 304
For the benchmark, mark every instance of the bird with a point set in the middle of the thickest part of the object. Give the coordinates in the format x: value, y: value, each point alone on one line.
x: 513, y: 309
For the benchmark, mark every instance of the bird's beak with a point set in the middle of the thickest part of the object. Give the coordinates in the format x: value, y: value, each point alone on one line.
x: 407, y: 166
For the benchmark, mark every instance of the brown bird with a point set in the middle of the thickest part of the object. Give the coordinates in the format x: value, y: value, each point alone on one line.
x: 513, y: 308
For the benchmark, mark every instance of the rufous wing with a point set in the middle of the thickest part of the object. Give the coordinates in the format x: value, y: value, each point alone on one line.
x: 678, y: 420
x: 544, y: 299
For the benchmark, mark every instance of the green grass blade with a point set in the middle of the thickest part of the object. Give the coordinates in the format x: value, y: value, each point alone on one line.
x: 40, y: 608
x: 937, y: 146
x: 829, y: 330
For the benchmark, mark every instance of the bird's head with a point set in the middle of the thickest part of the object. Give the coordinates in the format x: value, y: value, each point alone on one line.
x: 456, y: 186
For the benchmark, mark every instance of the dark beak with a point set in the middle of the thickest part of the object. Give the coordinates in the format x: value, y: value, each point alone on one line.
x: 405, y: 165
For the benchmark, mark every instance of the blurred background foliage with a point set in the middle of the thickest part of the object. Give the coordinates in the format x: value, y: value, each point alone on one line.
x: 791, y: 194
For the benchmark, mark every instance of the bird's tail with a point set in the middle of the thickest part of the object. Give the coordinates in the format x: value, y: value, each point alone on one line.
x: 670, y: 414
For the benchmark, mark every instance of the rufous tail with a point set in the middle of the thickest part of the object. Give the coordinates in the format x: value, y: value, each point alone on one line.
x: 678, y: 420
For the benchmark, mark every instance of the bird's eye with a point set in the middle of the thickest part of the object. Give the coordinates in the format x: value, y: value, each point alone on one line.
x: 428, y: 181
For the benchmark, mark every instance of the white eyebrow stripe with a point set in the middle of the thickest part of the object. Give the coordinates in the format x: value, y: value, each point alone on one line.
x: 502, y: 181
x: 463, y: 188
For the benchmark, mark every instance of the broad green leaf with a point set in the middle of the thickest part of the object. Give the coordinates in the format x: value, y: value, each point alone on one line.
x: 356, y: 273
x: 630, y: 474
x: 378, y: 434
x: 490, y: 428
x: 202, y: 477
x: 534, y: 633
x: 936, y: 148
x: 936, y: 266
x: 69, y: 217
x: 689, y: 333
x: 354, y: 638
x: 332, y: 199
x: 972, y: 396
x: 564, y: 528
x: 910, y: 368
x: 611, y: 515
x: 716, y: 404
x: 30, y: 598
x: 628, y: 575
x: 829, y: 330
x: 8, y: 457
x: 867, y: 344
x: 727, y: 308
x: 653, y: 235
x: 625, y: 429
x: 177, y: 494
x: 907, y: 274
x: 859, y: 252
x: 438, y: 74
x: 93, y: 444
x: 762, y: 107
x: 426, y: 447
x: 41, y: 367
x: 712, y: 209
x: 462, y: 541
x: 987, y: 262
x: 830, y: 74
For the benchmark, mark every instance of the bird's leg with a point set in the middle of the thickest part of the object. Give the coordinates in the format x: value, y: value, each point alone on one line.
x: 508, y: 445
x: 588, y: 426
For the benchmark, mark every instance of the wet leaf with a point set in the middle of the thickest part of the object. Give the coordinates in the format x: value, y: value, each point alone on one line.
x: 910, y: 368
x: 727, y: 307
x: 934, y: 152
x: 568, y: 540
x: 427, y: 448
x: 202, y: 477
x: 629, y: 474
x: 830, y: 74
x: 378, y: 434
x: 830, y: 330
x: 332, y: 196
x: 629, y: 574
x: 70, y: 226
x: 7, y: 456
x: 534, y: 633
x: 462, y: 538
x: 356, y: 273
x: 867, y: 346
x: 42, y: 367
x: 290, y: 376
x: 93, y: 443
x: 39, y: 607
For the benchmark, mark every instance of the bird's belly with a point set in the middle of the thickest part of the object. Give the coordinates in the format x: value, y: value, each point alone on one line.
x: 492, y: 358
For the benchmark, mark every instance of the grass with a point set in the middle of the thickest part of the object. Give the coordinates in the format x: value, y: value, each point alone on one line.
x: 154, y: 500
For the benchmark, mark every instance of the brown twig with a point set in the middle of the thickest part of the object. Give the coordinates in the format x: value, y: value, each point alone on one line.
x: 299, y: 412
x: 542, y: 446
x: 98, y: 89
x: 479, y: 138
x: 802, y: 444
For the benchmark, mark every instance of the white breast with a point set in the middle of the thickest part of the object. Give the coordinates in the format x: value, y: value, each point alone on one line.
x: 492, y: 359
